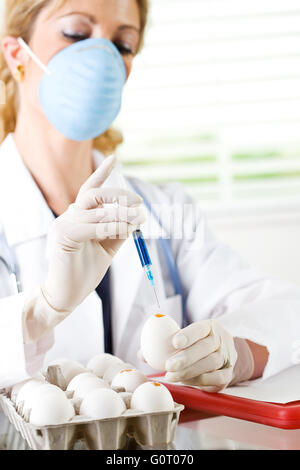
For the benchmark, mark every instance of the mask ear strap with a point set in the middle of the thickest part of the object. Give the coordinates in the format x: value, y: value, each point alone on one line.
x: 33, y: 56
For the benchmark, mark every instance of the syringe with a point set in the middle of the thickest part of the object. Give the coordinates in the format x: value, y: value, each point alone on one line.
x: 138, y: 237
x: 145, y: 258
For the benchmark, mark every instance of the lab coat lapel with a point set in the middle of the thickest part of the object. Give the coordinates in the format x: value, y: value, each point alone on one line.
x: 24, y: 213
x: 26, y: 220
x: 126, y: 278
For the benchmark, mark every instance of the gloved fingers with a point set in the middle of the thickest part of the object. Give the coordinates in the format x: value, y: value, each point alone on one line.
x: 227, y: 346
x: 114, y: 231
x: 79, y: 233
x: 97, y: 197
x: 210, y: 363
x: 187, y: 357
x: 113, y: 246
x: 218, y: 379
x: 132, y: 215
x: 100, y: 175
x: 191, y: 334
x: 210, y: 389
x: 120, y: 196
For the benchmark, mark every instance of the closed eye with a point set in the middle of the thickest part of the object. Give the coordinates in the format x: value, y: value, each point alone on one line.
x: 124, y: 49
x: 75, y: 37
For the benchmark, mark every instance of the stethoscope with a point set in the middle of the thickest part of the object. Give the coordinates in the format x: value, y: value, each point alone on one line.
x: 9, y: 263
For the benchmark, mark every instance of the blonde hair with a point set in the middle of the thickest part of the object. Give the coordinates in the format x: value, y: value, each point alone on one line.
x: 20, y: 16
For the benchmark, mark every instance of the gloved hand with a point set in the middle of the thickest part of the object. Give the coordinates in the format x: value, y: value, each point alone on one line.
x: 83, y: 242
x: 209, y: 357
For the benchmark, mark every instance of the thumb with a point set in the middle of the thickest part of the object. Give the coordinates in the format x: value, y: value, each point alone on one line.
x: 191, y: 334
x: 97, y: 179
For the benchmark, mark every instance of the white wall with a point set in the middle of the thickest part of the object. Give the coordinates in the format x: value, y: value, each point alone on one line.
x: 269, y: 241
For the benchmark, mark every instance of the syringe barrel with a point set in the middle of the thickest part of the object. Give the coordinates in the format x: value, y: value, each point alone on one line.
x: 149, y: 274
x: 142, y: 248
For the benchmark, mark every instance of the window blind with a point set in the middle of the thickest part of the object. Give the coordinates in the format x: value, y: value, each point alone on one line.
x: 214, y: 100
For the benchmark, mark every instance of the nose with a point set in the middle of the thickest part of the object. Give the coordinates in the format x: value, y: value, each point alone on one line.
x: 102, y: 32
x: 105, y: 32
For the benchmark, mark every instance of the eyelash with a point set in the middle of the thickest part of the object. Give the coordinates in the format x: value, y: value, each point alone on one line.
x: 123, y: 49
x: 75, y: 37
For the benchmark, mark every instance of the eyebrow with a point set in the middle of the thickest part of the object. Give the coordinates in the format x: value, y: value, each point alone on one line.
x: 94, y: 20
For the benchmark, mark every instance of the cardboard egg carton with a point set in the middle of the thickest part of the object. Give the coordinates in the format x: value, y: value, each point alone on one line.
x: 147, y: 429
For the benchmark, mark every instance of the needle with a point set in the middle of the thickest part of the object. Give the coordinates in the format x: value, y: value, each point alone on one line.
x: 156, y: 297
x: 141, y: 246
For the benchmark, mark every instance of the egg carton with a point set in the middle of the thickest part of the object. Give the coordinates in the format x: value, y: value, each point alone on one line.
x: 147, y: 429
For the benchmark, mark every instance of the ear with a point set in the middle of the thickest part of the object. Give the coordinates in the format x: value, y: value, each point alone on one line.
x: 13, y: 53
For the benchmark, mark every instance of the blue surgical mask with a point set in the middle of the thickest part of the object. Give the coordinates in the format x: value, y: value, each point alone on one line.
x: 81, y: 90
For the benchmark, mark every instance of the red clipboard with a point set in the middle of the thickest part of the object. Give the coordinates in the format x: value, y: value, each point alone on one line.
x: 284, y: 416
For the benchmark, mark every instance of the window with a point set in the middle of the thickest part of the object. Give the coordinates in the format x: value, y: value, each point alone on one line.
x: 214, y: 101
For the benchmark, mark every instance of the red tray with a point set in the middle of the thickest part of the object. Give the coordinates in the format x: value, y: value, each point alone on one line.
x: 285, y: 416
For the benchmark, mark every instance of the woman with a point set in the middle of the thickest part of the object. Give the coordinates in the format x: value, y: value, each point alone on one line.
x: 47, y: 164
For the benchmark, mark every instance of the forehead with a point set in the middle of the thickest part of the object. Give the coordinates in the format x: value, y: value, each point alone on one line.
x: 121, y: 11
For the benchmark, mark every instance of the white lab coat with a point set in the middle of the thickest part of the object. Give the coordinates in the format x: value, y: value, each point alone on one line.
x: 217, y: 284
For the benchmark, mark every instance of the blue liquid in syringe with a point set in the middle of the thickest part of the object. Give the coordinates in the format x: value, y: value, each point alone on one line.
x: 144, y: 258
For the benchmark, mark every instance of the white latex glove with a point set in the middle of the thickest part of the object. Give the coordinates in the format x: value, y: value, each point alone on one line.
x: 207, y: 357
x: 83, y: 242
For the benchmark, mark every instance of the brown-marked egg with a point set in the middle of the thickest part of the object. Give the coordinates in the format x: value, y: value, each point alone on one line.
x: 151, y: 397
x: 156, y: 340
x: 102, y: 404
x: 114, y: 369
x: 129, y: 379
x: 99, y: 364
x: 51, y: 409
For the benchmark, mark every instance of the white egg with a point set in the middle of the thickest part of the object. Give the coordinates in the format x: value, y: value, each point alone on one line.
x: 15, y: 390
x: 17, y: 387
x: 27, y: 389
x: 156, y: 340
x: 69, y: 369
x: 87, y: 383
x: 129, y: 379
x: 45, y: 388
x: 51, y: 409
x: 99, y: 364
x: 151, y: 397
x: 114, y: 369
x: 78, y: 379
x: 102, y: 404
